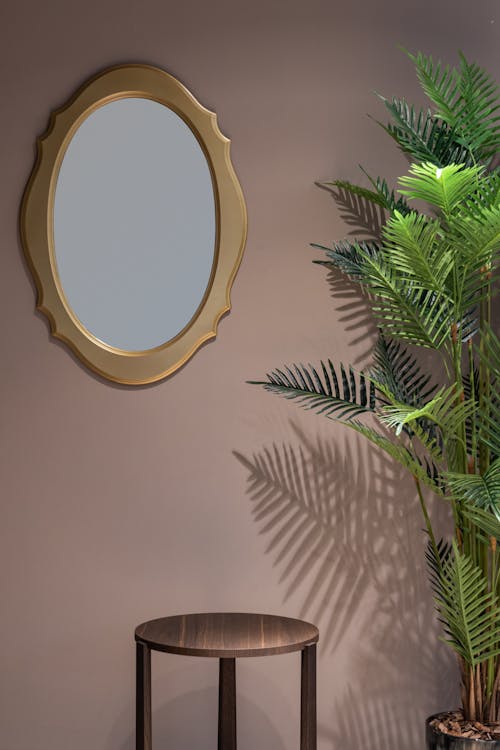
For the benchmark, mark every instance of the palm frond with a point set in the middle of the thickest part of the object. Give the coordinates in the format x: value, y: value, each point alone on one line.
x: 381, y: 195
x: 444, y: 187
x: 413, y: 246
x: 489, y: 411
x: 348, y: 257
x: 452, y: 258
x: 403, y: 311
x: 473, y: 226
x: 491, y: 354
x: 466, y: 99
x: 477, y: 242
x: 486, y: 194
x: 423, y: 136
x: 436, y: 557
x: 470, y: 382
x: 341, y: 395
x: 393, y: 201
x: 439, y: 83
x: 425, y: 471
x: 489, y: 430
x: 397, y: 370
x: 446, y: 411
x: 478, y: 235
x: 478, y: 107
x: 418, y: 317
x: 469, y: 612
x: 399, y: 379
x: 482, y: 491
x: 358, y: 190
x: 483, y: 519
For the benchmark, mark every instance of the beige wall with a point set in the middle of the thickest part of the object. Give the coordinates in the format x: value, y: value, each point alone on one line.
x: 120, y: 505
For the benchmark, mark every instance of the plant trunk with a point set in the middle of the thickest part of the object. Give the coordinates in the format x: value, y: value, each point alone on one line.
x: 477, y: 703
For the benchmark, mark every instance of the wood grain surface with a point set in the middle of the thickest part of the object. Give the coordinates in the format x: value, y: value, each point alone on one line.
x: 226, y: 635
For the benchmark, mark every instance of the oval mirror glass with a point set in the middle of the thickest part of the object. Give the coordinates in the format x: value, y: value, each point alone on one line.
x: 134, y: 224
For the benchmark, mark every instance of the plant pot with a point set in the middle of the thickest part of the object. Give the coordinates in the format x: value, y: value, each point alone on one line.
x: 437, y: 740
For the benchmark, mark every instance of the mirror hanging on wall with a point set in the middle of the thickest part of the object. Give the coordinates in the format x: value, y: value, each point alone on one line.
x: 134, y: 224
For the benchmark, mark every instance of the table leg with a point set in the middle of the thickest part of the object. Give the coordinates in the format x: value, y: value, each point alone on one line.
x: 308, y: 699
x: 227, y: 704
x: 143, y: 735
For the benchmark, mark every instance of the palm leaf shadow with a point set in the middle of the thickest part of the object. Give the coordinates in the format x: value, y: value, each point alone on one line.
x: 402, y: 677
x: 400, y: 671
x: 383, y: 723
x: 355, y: 313
x: 339, y: 520
x: 314, y: 510
x: 365, y: 217
x: 366, y: 221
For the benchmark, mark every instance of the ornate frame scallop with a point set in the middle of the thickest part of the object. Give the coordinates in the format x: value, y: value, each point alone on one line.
x: 36, y: 224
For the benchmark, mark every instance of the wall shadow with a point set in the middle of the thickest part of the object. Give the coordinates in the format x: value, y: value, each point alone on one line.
x: 355, y: 314
x: 354, y: 310
x: 189, y: 722
x: 300, y: 499
x: 365, y: 218
x: 344, y: 530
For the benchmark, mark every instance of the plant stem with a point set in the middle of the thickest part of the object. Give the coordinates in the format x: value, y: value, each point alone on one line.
x: 473, y: 397
x: 484, y: 460
x: 484, y: 371
x: 428, y: 524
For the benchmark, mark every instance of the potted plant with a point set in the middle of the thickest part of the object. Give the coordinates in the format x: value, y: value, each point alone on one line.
x: 430, y: 281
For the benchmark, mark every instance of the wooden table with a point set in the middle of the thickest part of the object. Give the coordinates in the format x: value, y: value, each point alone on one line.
x: 227, y: 637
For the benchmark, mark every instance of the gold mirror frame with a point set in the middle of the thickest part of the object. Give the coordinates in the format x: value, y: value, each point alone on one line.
x: 36, y: 224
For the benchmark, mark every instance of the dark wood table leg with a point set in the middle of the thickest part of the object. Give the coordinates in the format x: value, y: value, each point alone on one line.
x: 308, y: 739
x: 143, y: 735
x: 227, y: 704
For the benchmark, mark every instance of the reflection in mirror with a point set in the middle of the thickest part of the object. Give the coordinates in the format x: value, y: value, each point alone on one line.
x: 134, y: 224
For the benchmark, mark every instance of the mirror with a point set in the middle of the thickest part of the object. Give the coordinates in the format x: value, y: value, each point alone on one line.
x: 133, y: 223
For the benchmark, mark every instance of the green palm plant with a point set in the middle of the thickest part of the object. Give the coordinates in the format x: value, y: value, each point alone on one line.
x: 430, y: 281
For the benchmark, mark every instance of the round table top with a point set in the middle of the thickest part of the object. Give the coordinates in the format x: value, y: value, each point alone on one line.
x: 226, y: 634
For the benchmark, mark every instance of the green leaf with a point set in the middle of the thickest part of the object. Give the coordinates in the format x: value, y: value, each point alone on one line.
x: 381, y: 195
x: 404, y: 311
x: 475, y: 238
x: 440, y: 84
x: 446, y: 411
x: 436, y: 558
x: 349, y: 257
x: 413, y: 246
x: 338, y: 396
x: 388, y: 196
x: 469, y: 612
x: 483, y: 519
x: 396, y: 370
x: 482, y: 491
x: 444, y: 187
x: 425, y: 472
x: 358, y: 190
x: 489, y: 411
x: 486, y: 194
x: 466, y: 99
x: 423, y: 136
